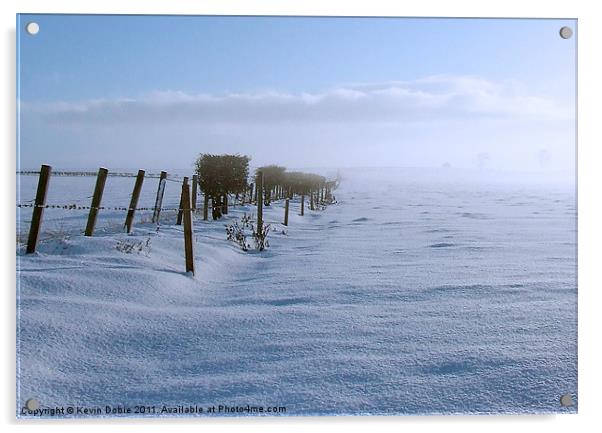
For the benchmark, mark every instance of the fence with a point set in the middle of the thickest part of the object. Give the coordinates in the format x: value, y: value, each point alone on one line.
x: 40, y: 205
x: 187, y: 204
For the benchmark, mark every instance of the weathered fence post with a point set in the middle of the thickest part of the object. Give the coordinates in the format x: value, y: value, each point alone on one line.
x: 259, y: 183
x: 286, y: 212
x: 129, y: 219
x: 311, y: 200
x: 38, y: 210
x: 159, y: 199
x: 181, y: 208
x: 302, y: 204
x: 205, y: 206
x: 188, y: 246
x: 250, y: 193
x: 225, y: 204
x: 96, y: 200
x: 195, y: 180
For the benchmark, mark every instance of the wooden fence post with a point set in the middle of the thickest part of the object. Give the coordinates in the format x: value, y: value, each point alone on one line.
x: 38, y: 210
x: 129, y: 219
x: 180, y: 208
x: 302, y: 204
x: 195, y: 180
x: 251, y: 193
x: 159, y: 199
x: 225, y: 204
x: 187, y: 211
x: 259, y: 190
x: 286, y: 212
x: 96, y: 200
x: 205, y: 207
x: 311, y: 200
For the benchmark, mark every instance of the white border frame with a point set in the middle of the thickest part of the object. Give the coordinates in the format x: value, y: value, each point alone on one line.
x: 589, y: 208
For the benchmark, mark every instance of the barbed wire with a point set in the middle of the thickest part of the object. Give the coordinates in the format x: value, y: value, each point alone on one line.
x: 92, y: 173
x: 170, y: 178
x: 117, y: 208
x: 78, y: 207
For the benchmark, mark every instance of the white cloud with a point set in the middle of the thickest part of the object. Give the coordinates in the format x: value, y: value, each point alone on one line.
x: 429, y: 99
x: 426, y: 122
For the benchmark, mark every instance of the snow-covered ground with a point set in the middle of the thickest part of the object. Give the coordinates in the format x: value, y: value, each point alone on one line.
x: 411, y: 295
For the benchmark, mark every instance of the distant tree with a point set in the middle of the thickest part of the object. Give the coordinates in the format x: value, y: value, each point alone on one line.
x: 220, y: 175
x: 273, y: 177
x: 293, y: 182
x: 304, y: 183
x: 314, y: 183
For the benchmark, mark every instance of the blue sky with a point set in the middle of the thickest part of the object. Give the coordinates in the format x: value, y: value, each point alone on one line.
x: 403, y: 90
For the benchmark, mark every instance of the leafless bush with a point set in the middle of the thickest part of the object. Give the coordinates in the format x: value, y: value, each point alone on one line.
x: 237, y: 232
x: 130, y: 246
x: 261, y: 239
